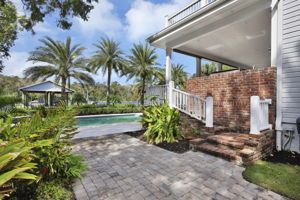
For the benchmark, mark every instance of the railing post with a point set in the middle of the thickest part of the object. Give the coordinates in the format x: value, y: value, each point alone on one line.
x: 254, y: 115
x: 209, y: 112
x: 170, y: 94
x: 166, y: 21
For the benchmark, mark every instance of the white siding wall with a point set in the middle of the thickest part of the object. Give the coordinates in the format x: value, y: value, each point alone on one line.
x: 291, y: 61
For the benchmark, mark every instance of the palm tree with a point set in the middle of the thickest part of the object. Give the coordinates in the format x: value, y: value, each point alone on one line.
x: 59, y: 60
x: 141, y: 66
x: 178, y: 75
x: 109, y: 58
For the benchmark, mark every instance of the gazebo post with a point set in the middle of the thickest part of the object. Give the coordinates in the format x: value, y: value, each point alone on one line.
x: 23, y: 99
x: 49, y: 99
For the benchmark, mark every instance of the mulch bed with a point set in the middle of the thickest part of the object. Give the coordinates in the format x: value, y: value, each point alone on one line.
x: 178, y: 147
x: 284, y: 157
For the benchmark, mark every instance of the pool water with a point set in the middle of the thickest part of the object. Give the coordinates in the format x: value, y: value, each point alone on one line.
x: 98, y: 120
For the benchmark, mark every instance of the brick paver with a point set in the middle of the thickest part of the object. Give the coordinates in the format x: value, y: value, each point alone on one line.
x: 125, y: 168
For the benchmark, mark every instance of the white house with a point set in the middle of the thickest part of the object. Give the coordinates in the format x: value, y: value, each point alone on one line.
x: 261, y: 38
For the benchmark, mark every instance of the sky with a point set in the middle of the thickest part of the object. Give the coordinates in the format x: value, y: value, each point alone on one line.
x: 127, y: 21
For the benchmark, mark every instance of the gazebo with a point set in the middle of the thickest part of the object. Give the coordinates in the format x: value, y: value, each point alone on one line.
x: 48, y: 88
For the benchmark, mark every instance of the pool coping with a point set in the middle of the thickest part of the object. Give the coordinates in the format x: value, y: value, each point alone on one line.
x: 106, y: 115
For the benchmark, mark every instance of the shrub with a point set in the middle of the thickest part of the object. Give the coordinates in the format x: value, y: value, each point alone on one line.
x: 53, y: 190
x: 103, y: 109
x: 3, y: 115
x: 9, y: 101
x: 162, y: 124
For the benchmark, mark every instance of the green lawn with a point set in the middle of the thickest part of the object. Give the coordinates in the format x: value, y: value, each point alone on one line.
x: 281, y: 178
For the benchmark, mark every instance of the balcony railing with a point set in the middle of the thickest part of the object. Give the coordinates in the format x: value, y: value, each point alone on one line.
x: 190, y: 9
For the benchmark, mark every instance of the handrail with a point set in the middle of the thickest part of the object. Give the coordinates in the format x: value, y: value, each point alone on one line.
x: 189, y: 94
x: 189, y: 104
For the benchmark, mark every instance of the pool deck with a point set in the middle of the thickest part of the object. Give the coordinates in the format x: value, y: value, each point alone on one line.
x: 107, y: 129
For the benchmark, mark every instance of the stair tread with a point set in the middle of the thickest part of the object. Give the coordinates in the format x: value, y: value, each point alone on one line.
x: 197, y: 141
x: 217, y: 151
x: 227, y: 140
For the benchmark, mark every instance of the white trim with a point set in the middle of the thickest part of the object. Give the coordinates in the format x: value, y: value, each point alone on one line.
x: 278, y: 127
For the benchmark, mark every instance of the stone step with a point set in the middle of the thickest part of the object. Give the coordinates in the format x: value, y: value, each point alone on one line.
x: 218, y: 151
x: 227, y: 140
x: 195, y: 142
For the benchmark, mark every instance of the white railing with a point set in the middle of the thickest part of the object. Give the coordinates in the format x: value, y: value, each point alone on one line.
x: 188, y: 10
x: 189, y: 104
x: 192, y: 105
x: 160, y: 92
x: 259, y: 112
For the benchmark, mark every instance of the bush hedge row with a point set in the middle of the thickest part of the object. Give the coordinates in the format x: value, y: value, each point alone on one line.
x: 9, y: 101
x: 107, y: 110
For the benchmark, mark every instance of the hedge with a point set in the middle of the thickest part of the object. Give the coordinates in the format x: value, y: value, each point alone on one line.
x: 9, y: 101
x: 100, y: 109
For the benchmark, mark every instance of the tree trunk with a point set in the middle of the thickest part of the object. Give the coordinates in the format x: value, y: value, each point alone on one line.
x: 63, y: 88
x: 69, y: 82
x: 143, y: 92
x: 108, y: 86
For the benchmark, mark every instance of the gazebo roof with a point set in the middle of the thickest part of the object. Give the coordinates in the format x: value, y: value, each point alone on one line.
x: 47, y: 86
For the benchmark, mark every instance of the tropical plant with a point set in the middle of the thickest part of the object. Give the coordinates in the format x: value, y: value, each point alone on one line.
x: 179, y: 76
x: 16, y: 161
x: 109, y: 58
x: 141, y: 67
x: 162, y: 124
x: 63, y: 61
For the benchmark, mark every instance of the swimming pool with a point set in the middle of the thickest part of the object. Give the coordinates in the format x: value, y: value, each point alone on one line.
x: 107, y: 119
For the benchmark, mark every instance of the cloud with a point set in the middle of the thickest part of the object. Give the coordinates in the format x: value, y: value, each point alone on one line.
x: 145, y: 18
x: 101, y: 19
x: 16, y: 64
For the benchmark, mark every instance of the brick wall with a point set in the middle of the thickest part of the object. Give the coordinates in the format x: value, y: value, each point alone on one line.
x: 231, y: 92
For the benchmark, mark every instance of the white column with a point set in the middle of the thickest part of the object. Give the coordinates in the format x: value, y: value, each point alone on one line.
x: 209, y: 112
x: 23, y: 99
x: 219, y: 67
x: 254, y: 115
x: 49, y: 99
x: 170, y: 93
x: 168, y: 65
x: 198, y: 67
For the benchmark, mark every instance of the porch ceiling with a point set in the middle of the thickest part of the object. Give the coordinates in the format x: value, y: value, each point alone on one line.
x: 243, y: 44
x: 233, y: 32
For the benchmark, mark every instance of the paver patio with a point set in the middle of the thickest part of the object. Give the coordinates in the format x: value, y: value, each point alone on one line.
x: 123, y: 167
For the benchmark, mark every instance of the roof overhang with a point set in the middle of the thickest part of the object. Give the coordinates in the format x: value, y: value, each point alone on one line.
x: 234, y: 32
x: 44, y: 87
